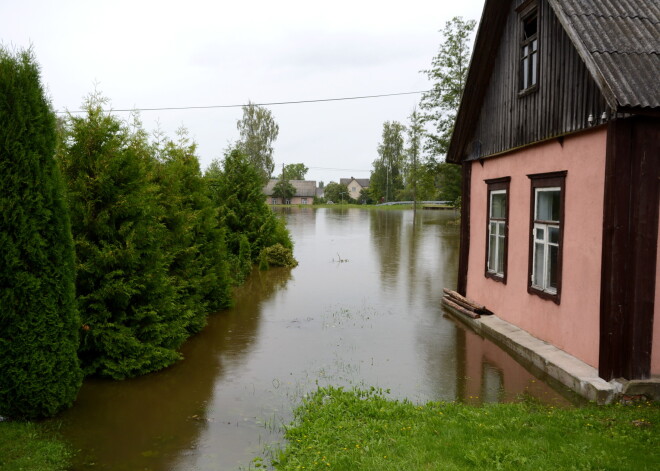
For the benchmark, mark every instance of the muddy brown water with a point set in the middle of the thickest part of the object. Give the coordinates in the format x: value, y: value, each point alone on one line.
x: 361, y: 309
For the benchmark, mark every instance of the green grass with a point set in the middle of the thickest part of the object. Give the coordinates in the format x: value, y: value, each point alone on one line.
x: 358, y: 430
x: 25, y: 446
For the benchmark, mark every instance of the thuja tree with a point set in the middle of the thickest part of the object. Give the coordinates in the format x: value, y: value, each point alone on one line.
x: 39, y: 325
x: 126, y: 298
x: 237, y: 190
x: 195, y: 240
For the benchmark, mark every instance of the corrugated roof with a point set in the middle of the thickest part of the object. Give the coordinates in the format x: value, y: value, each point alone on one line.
x: 304, y: 188
x: 621, y: 39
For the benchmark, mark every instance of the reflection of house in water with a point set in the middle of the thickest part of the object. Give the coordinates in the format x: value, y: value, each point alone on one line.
x: 489, y: 371
x: 559, y: 139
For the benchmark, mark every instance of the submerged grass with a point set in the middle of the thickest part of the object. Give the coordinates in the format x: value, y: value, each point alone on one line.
x: 26, y: 446
x: 363, y: 430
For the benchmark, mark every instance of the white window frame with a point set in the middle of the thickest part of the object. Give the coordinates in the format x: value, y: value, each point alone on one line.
x: 497, y: 186
x: 545, y: 183
x: 500, y: 236
x: 546, y: 243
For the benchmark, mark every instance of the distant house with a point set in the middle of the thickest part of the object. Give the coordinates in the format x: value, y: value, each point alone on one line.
x: 354, y: 185
x: 558, y: 135
x: 305, y: 192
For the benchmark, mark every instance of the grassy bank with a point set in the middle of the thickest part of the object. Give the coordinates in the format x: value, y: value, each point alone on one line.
x: 342, y: 430
x: 27, y: 447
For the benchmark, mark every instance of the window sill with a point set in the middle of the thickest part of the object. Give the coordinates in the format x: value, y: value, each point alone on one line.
x: 554, y: 297
x: 528, y: 91
x: 496, y: 277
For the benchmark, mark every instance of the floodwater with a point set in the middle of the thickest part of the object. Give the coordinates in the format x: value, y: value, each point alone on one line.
x: 361, y: 309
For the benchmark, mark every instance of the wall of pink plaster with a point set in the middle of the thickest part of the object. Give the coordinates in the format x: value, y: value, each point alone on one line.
x: 573, y: 325
x: 655, y: 353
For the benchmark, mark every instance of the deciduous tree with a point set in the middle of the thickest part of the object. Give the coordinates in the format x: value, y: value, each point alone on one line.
x: 387, y: 175
x: 284, y: 190
x: 448, y: 73
x: 258, y: 131
x: 294, y: 172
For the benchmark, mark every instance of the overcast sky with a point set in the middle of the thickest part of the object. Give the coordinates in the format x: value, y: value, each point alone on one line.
x: 154, y: 54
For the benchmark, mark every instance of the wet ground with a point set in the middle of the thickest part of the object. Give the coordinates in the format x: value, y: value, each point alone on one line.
x: 361, y: 309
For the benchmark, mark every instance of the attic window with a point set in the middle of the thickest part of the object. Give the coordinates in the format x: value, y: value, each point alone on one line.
x: 529, y: 49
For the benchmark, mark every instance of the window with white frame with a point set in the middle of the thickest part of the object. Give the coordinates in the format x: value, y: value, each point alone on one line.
x: 547, y: 214
x: 497, y: 232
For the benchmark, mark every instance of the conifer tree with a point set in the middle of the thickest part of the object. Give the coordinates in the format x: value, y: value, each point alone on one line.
x: 195, y: 241
x: 39, y: 325
x: 126, y: 298
x: 237, y: 189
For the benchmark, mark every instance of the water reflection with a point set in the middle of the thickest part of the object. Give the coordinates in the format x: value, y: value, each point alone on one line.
x: 151, y: 421
x: 361, y: 309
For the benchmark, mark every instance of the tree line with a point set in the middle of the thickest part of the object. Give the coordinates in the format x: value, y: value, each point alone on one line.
x: 115, y: 245
x: 411, y: 158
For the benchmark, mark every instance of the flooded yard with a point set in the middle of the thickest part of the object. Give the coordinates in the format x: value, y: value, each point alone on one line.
x: 361, y: 309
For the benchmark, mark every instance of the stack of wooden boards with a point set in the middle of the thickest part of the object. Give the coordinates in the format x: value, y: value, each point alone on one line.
x: 464, y: 305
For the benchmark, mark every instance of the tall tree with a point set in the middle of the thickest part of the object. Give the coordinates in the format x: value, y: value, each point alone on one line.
x: 194, y: 240
x: 413, y: 154
x: 127, y: 300
x: 448, y: 73
x: 387, y: 176
x: 294, y: 172
x: 39, y: 324
x: 258, y: 131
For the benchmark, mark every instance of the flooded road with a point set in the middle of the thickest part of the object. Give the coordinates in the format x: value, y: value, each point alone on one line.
x: 361, y: 309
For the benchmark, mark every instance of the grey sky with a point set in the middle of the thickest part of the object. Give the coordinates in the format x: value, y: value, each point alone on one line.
x: 151, y: 54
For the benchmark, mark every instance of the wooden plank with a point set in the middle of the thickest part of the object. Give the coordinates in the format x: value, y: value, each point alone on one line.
x: 460, y: 309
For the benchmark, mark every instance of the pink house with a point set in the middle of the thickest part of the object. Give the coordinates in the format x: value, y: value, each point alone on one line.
x: 558, y: 135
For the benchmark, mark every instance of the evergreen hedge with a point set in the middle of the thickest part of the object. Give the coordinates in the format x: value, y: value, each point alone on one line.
x: 127, y: 299
x: 39, y: 324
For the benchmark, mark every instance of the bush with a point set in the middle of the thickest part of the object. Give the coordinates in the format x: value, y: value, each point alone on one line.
x: 39, y: 325
x: 279, y: 255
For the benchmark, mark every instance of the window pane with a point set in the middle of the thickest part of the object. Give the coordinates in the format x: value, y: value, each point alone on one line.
x: 537, y: 279
x: 500, y: 255
x: 552, y: 267
x: 534, y: 59
x: 535, y: 45
x: 525, y: 67
x: 553, y: 233
x: 540, y: 233
x: 547, y: 205
x: 492, y: 255
x: 555, y: 205
x: 498, y: 205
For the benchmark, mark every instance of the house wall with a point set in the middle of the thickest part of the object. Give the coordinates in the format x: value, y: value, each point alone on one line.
x: 355, y: 194
x: 572, y: 325
x: 566, y: 92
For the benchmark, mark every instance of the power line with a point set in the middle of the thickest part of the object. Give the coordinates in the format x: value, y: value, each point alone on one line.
x: 296, y: 102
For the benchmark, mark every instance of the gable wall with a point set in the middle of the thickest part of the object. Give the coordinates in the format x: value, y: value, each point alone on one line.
x: 572, y: 325
x: 566, y: 97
